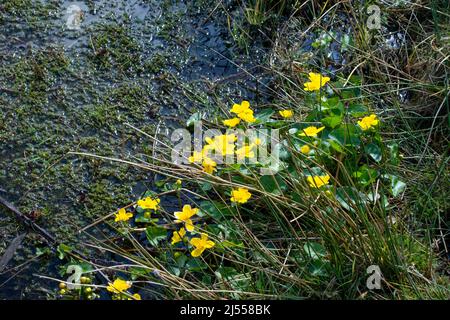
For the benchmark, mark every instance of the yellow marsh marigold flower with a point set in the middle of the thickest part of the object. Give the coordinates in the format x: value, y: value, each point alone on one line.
x: 209, y: 165
x: 247, y: 116
x: 311, y: 131
x: 196, y: 157
x: 149, y: 203
x: 239, y: 108
x: 178, y: 235
x: 316, y: 81
x: 286, y: 113
x: 240, y: 195
x: 118, y: 286
x: 245, y: 152
x: 243, y: 111
x: 305, y: 149
x: 185, y: 216
x: 368, y: 122
x: 223, y: 144
x: 137, y: 296
x: 233, y: 122
x: 318, y: 181
x: 257, y: 141
x: 201, y: 244
x: 123, y: 215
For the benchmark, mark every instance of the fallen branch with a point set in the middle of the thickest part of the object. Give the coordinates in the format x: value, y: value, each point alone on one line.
x: 28, y: 221
x: 51, y: 240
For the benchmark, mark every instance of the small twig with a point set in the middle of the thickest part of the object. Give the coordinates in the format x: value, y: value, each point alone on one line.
x: 7, y: 90
x: 28, y: 221
x: 51, y: 240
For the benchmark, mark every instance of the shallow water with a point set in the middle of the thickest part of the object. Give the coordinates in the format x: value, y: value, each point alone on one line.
x: 143, y: 62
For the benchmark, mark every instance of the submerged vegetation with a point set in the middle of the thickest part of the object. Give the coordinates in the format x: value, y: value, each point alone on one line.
x: 355, y: 180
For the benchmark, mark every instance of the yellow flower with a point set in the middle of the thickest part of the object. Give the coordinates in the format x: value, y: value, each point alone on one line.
x: 305, y: 149
x: 245, y: 152
x: 311, y: 131
x: 240, y: 195
x: 123, y: 215
x: 209, y: 165
x: 243, y: 111
x: 196, y: 157
x: 223, y: 144
x: 316, y: 81
x: 368, y: 122
x: 257, y: 141
x: 137, y: 296
x: 247, y: 116
x: 185, y: 216
x: 233, y: 122
x: 178, y: 182
x: 286, y: 113
x: 318, y: 181
x: 201, y: 244
x: 149, y: 203
x: 239, y: 108
x: 118, y: 286
x: 178, y: 235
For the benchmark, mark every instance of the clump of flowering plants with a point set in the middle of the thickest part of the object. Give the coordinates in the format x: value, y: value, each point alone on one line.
x: 310, y: 214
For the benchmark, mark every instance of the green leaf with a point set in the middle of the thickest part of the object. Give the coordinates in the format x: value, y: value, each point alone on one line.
x: 335, y: 145
x: 228, y: 244
x: 346, y: 135
x: 137, y: 272
x: 315, y: 250
x: 216, y: 210
x: 365, y: 175
x: 332, y: 122
x: 274, y: 184
x: 393, y: 153
x: 318, y: 267
x: 396, y: 185
x: 42, y: 251
x: 225, y: 273
x: 271, y: 123
x: 234, y: 279
x: 63, y: 250
x: 181, y: 260
x: 283, y: 152
x: 195, y: 264
x: 357, y: 110
x: 374, y: 151
x: 350, y: 197
x: 174, y: 270
x: 332, y: 103
x: 155, y: 234
x: 205, y: 186
x: 145, y: 218
x: 263, y: 116
x: 85, y: 267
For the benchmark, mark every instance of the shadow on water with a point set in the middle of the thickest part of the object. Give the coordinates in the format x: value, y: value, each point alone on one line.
x: 72, y: 73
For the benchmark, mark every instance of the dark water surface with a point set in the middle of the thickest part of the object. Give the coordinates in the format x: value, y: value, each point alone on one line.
x: 143, y: 62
